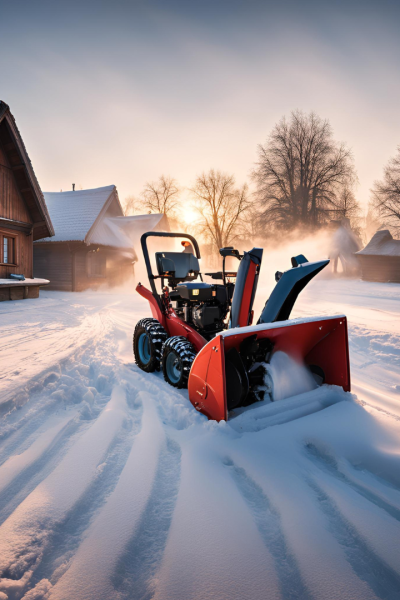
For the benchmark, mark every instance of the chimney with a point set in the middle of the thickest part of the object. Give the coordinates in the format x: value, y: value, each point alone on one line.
x: 73, y: 187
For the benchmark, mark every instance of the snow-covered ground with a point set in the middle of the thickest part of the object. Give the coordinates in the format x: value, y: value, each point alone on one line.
x: 112, y: 486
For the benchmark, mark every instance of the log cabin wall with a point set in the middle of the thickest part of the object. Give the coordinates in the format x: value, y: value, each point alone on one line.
x: 54, y: 262
x: 13, y: 208
x: 66, y: 265
x: 380, y: 268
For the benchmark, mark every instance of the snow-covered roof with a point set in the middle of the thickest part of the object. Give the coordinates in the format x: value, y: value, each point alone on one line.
x: 382, y: 244
x: 125, y: 232
x: 135, y: 226
x: 73, y: 214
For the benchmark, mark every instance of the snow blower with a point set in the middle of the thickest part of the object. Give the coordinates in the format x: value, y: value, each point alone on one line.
x: 201, y: 334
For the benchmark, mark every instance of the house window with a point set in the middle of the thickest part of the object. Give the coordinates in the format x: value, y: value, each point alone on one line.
x: 96, y: 264
x: 8, y: 250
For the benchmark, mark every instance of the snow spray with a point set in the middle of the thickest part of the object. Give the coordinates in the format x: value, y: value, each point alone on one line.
x: 285, y: 377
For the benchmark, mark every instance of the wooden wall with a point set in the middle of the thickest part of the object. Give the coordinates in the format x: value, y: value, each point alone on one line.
x: 380, y: 268
x: 12, y: 206
x: 59, y: 261
x: 23, y: 247
x: 53, y: 262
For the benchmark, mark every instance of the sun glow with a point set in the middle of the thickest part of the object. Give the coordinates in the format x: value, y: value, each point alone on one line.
x: 190, y: 215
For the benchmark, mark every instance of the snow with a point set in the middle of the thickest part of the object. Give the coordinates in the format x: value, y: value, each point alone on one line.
x: 84, y: 206
x: 113, y: 486
x: 26, y: 281
x: 125, y: 232
x: 382, y: 244
x: 276, y: 325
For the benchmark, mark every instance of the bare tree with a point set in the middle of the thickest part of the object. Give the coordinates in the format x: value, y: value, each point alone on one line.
x: 161, y: 196
x: 386, y: 193
x: 300, y: 171
x: 221, y: 206
x: 131, y: 205
x: 346, y: 205
x: 253, y: 226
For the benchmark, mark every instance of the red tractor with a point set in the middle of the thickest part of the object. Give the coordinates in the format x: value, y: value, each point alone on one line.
x: 201, y: 334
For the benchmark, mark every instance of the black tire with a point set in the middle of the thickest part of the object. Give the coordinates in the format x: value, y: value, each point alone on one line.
x: 177, y: 357
x: 148, y: 340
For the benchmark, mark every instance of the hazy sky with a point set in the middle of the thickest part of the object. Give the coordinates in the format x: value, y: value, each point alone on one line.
x: 120, y: 92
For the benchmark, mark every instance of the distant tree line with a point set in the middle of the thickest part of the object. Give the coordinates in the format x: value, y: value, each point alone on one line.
x: 303, y: 178
x: 220, y: 207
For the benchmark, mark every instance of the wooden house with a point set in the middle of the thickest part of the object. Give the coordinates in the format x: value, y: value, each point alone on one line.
x: 93, y: 245
x: 380, y: 259
x: 23, y: 213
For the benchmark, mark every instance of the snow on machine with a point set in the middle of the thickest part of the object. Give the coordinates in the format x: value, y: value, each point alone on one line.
x: 201, y: 334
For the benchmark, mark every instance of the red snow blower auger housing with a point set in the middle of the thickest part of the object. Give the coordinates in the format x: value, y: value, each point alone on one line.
x: 201, y: 334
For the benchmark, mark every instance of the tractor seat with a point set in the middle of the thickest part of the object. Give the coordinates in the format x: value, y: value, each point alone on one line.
x: 179, y: 266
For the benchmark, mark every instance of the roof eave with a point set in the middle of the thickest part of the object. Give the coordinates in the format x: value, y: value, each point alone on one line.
x: 44, y: 227
x: 113, y: 195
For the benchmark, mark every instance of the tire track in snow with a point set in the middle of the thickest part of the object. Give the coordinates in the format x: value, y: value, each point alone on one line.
x: 59, y: 344
x: 213, y: 549
x: 69, y: 385
x: 268, y: 523
x: 25, y: 482
x: 384, y: 582
x: 15, y: 464
x: 25, y: 534
x: 328, y: 464
x: 89, y: 576
x: 135, y: 572
x: 67, y: 535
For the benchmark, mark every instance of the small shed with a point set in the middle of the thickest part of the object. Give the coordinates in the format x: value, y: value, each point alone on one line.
x: 93, y: 245
x: 23, y: 214
x: 380, y: 259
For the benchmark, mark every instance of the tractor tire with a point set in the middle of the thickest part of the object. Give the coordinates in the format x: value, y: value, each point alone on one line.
x: 148, y: 340
x: 177, y: 357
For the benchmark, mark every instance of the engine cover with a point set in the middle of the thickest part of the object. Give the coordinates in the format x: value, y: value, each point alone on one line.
x: 204, y: 316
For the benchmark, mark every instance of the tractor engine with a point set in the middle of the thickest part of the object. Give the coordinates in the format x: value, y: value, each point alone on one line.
x: 202, y: 305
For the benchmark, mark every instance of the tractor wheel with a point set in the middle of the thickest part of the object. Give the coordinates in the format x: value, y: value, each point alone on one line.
x: 177, y: 357
x: 148, y: 341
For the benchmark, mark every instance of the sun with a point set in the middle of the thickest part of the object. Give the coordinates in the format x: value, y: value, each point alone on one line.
x: 190, y: 215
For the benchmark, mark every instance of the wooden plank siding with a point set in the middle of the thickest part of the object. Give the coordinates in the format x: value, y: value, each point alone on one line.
x: 53, y: 262
x: 23, y: 254
x: 65, y: 264
x: 13, y: 207
x: 379, y: 268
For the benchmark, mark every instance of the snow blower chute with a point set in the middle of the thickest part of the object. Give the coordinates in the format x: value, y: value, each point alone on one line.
x: 201, y: 334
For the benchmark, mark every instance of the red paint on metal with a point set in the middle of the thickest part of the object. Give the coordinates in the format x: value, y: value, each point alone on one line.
x: 172, y: 324
x: 244, y: 313
x: 331, y: 353
x: 175, y: 326
x: 155, y: 309
x: 207, y: 387
x: 323, y: 343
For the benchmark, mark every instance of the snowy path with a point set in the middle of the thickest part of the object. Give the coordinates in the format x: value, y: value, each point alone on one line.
x: 112, y: 486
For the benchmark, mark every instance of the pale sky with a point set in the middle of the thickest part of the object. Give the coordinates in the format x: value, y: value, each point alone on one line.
x: 120, y: 92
